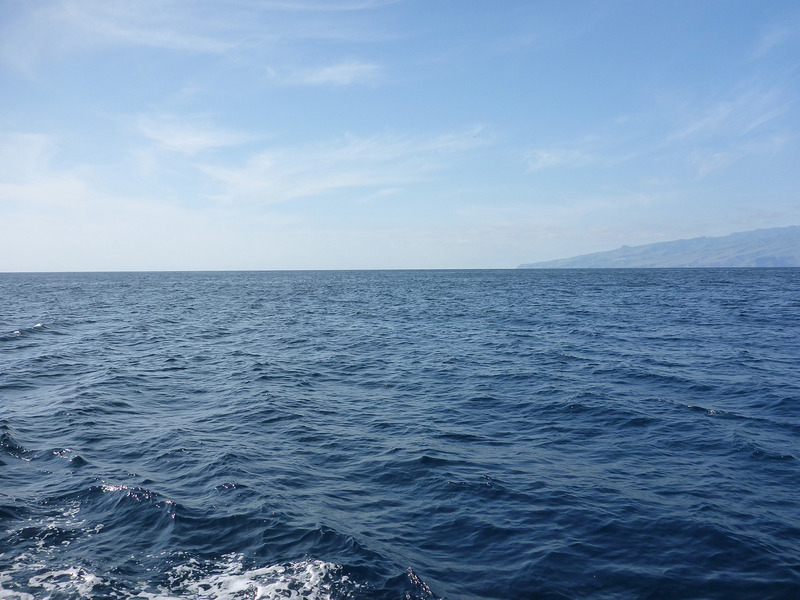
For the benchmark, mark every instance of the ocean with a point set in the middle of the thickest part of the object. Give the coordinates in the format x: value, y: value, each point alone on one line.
x: 562, y: 434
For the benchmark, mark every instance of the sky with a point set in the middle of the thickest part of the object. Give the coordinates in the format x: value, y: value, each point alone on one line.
x: 386, y: 134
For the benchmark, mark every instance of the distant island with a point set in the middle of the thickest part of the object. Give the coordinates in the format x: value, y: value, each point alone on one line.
x: 776, y: 247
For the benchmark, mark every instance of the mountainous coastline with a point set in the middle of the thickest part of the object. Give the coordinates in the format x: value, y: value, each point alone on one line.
x: 776, y: 247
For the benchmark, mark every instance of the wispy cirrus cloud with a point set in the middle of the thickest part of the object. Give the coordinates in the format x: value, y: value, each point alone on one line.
x: 52, y: 30
x: 540, y: 159
x: 746, y: 123
x: 28, y: 177
x: 735, y: 116
x: 776, y: 35
x: 329, y: 6
x: 147, y: 23
x: 704, y: 136
x: 344, y: 73
x: 708, y: 160
x: 612, y: 145
x: 245, y: 31
x: 187, y: 137
x: 282, y: 174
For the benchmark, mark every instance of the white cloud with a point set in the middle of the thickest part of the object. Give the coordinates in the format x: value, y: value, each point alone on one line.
x: 747, y: 123
x: 708, y: 162
x: 24, y: 156
x: 736, y: 116
x: 346, y: 73
x: 50, y: 30
x: 776, y: 35
x: 144, y: 23
x: 327, y: 6
x: 178, y: 135
x: 28, y: 178
x: 245, y: 31
x: 548, y: 159
x: 286, y: 173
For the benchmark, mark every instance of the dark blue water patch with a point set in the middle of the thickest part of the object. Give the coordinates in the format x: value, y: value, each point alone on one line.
x: 458, y: 434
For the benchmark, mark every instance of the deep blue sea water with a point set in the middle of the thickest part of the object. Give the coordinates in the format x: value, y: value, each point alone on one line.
x: 400, y: 434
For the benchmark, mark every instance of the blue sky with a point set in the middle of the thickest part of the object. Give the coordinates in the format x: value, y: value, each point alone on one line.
x: 336, y: 134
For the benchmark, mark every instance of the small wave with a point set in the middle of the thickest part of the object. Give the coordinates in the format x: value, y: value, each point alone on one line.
x: 766, y: 450
x: 702, y: 410
x: 124, y: 494
x: 9, y: 446
x: 22, y: 331
x: 69, y: 455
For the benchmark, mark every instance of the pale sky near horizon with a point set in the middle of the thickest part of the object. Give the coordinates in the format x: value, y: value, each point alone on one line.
x: 350, y: 134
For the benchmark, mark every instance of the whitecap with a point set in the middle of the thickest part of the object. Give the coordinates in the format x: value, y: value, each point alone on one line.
x: 72, y: 580
x: 9, y: 594
x: 230, y: 580
x: 226, y: 580
x: 29, y: 579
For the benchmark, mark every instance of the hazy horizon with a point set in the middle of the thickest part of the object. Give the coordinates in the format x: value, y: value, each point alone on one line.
x: 382, y: 134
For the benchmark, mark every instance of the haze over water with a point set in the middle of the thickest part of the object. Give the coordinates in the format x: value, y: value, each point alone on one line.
x: 400, y: 434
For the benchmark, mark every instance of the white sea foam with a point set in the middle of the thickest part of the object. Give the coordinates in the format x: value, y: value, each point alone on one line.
x: 227, y: 579
x: 73, y: 580
x: 10, y: 594
x: 45, y: 584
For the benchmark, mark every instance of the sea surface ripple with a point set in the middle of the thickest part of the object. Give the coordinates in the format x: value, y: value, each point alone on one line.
x: 400, y: 434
